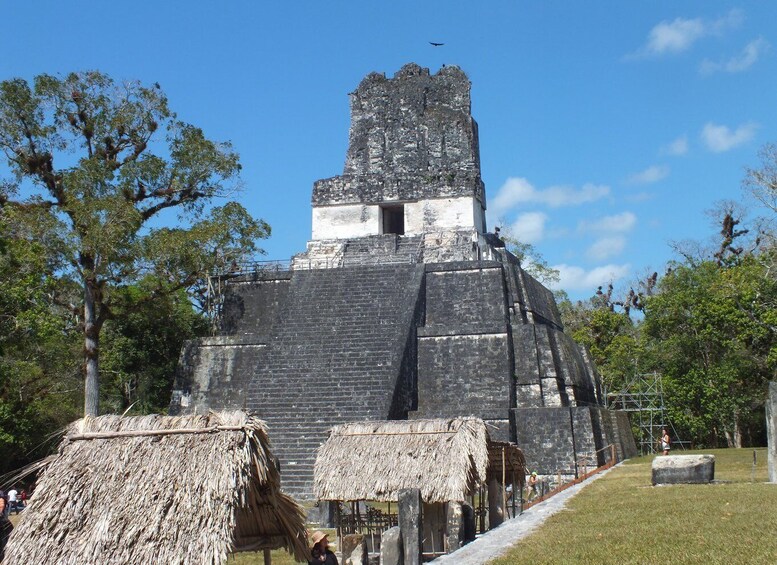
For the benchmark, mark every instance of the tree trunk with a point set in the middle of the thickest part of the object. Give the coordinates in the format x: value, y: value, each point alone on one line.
x: 91, y: 351
x: 737, y: 432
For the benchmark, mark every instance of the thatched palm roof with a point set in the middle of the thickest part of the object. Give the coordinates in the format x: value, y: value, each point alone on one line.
x: 506, y: 459
x: 445, y: 459
x: 158, y: 489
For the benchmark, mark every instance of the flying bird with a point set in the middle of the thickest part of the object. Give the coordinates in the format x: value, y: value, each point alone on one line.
x: 433, y: 44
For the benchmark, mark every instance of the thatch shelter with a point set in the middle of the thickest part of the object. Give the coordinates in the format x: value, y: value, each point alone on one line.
x: 446, y: 459
x: 159, y: 489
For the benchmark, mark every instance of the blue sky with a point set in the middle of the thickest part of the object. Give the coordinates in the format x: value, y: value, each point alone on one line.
x: 607, y: 128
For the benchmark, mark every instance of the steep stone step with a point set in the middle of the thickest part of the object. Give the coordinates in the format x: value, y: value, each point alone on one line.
x: 335, y: 362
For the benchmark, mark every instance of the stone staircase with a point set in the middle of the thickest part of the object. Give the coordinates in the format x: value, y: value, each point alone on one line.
x: 333, y: 357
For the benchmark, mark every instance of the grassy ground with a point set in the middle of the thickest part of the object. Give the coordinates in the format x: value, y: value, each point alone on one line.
x: 622, y: 519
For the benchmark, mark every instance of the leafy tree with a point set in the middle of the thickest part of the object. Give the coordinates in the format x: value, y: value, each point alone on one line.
x: 39, y: 368
x: 611, y: 336
x: 141, y: 349
x: 715, y: 355
x: 104, y: 165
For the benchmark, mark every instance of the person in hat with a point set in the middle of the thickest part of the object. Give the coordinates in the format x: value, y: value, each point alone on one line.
x: 532, y: 486
x: 320, y: 550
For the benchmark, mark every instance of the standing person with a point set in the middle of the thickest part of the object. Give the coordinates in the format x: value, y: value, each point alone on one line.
x: 320, y: 550
x: 5, y: 527
x: 532, y: 485
x: 665, y: 441
x: 13, y: 500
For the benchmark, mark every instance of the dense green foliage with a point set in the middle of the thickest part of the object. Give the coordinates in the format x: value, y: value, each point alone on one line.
x: 109, y: 226
x: 712, y: 328
x: 141, y: 348
x: 97, y: 167
x: 708, y: 327
x: 40, y: 379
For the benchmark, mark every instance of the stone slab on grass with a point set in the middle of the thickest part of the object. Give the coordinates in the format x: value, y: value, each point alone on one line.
x: 683, y: 469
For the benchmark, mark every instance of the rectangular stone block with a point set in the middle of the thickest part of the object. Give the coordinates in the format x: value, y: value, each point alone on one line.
x: 411, y: 525
x: 546, y: 438
x: 528, y: 396
x: 464, y: 375
x: 679, y: 469
x: 455, y: 526
x: 391, y: 552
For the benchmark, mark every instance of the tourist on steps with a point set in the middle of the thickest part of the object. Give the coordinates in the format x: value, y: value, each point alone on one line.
x: 320, y: 550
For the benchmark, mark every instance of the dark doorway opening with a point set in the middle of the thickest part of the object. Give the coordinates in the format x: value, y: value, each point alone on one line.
x: 394, y: 220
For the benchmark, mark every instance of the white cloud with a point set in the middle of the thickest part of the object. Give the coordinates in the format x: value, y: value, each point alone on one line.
x: 680, y: 34
x: 650, y: 175
x: 673, y: 37
x: 720, y: 138
x: 520, y: 191
x: 606, y: 247
x: 529, y: 227
x: 572, y: 278
x: 677, y: 147
x: 618, y: 223
x: 746, y: 59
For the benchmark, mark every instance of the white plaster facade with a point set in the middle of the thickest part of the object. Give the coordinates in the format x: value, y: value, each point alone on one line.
x: 359, y: 220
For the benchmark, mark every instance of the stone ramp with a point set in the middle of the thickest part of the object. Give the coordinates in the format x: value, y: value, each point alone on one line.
x: 499, y: 541
x: 335, y: 355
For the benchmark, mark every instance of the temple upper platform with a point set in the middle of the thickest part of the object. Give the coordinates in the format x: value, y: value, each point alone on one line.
x: 413, y: 161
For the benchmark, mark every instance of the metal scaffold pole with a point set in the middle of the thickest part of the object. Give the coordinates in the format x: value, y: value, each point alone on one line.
x: 643, y: 399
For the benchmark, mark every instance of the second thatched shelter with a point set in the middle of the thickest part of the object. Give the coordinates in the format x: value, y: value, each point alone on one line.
x: 158, y: 489
x: 447, y: 459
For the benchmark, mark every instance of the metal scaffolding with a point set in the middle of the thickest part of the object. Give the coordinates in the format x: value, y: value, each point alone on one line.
x: 244, y: 270
x: 643, y: 399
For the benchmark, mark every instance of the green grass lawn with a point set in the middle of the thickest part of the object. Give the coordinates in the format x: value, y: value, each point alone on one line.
x: 622, y: 519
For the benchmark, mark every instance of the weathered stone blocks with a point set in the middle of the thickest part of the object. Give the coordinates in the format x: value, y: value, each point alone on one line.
x: 354, y: 549
x: 678, y: 469
x: 391, y: 551
x: 410, y: 524
x: 455, y: 526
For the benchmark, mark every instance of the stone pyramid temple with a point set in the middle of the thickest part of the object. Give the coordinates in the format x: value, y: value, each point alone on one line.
x: 403, y: 306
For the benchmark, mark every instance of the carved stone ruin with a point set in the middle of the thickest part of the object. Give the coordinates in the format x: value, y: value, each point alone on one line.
x: 354, y: 550
x: 411, y: 525
x: 455, y: 526
x: 403, y: 306
x: 391, y: 551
